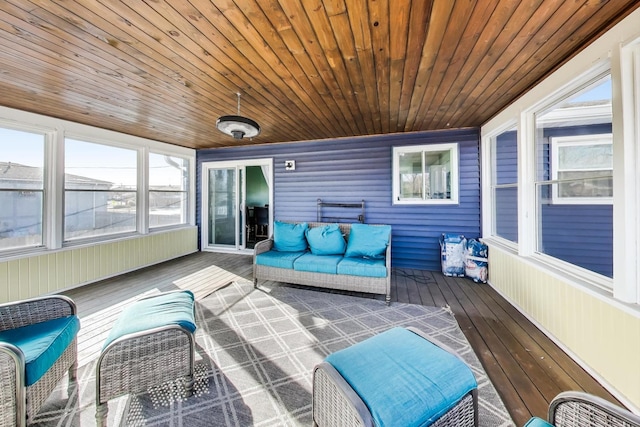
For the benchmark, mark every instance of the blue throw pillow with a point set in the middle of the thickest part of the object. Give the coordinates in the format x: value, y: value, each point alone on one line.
x: 289, y: 237
x: 369, y: 241
x: 326, y: 240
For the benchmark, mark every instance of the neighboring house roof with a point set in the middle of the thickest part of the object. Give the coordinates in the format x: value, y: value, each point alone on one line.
x: 10, y: 171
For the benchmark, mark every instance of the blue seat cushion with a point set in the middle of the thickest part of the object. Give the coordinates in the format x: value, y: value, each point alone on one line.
x: 368, y: 240
x: 288, y: 237
x: 326, y: 240
x: 171, y: 308
x: 42, y: 343
x: 317, y: 263
x: 402, y: 378
x: 367, y: 267
x: 278, y: 259
x: 537, y: 422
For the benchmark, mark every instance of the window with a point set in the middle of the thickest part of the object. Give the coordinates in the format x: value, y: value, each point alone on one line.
x: 583, y: 168
x: 573, y: 182
x: 504, y: 185
x: 21, y: 189
x: 168, y: 190
x: 426, y: 174
x: 100, y: 190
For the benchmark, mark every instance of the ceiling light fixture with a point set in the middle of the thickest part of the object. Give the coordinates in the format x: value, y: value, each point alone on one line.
x: 238, y: 126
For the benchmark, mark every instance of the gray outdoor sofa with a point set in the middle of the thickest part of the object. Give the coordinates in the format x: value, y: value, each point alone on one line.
x: 310, y: 265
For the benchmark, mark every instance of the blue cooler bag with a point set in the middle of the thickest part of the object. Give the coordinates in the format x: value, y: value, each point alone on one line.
x: 476, y: 262
x: 452, y: 253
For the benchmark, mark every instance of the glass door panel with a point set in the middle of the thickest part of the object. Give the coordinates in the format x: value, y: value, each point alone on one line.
x: 223, y: 200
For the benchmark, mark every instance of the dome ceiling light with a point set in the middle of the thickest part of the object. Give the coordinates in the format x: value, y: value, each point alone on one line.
x: 237, y: 126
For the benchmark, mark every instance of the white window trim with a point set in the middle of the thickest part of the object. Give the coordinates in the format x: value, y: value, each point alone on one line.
x: 619, y: 45
x: 145, y: 198
x: 455, y: 174
x: 488, y: 185
x: 573, y: 141
x: 532, y: 226
x: 141, y: 206
x: 56, y: 130
x: 47, y: 187
x: 626, y: 173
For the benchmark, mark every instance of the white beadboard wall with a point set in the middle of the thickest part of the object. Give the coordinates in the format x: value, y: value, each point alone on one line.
x: 51, y: 272
x: 600, y: 333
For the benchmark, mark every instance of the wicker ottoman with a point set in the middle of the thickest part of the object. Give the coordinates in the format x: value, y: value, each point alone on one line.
x: 151, y: 343
x: 397, y: 378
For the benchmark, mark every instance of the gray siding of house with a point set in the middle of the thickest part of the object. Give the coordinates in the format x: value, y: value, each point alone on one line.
x: 352, y: 169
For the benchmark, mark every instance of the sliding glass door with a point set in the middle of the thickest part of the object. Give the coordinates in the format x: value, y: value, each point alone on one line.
x: 226, y: 218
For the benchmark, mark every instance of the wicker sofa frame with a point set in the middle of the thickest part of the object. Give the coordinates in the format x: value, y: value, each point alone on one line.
x: 373, y: 285
x: 19, y: 403
x: 136, y: 362
x: 335, y: 403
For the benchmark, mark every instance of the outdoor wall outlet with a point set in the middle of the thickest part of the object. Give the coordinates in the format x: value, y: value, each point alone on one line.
x: 289, y: 165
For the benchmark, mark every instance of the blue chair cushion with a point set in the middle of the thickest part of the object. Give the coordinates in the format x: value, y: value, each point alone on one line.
x: 326, y: 240
x: 537, y: 422
x: 369, y: 241
x: 367, y: 267
x: 317, y: 263
x: 278, y: 259
x: 172, y: 308
x: 404, y: 379
x: 289, y: 237
x: 42, y: 343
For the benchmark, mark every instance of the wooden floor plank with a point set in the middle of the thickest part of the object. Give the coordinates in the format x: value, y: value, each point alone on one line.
x: 498, y: 367
x: 510, y: 352
x: 526, y: 367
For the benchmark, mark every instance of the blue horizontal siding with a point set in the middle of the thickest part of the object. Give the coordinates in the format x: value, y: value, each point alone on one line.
x: 351, y: 169
x: 579, y: 234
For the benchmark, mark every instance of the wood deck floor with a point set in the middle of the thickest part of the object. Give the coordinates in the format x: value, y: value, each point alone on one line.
x: 527, y: 368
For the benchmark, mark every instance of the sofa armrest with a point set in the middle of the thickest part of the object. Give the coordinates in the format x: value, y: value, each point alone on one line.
x: 263, y: 246
x: 35, y: 310
x: 387, y: 257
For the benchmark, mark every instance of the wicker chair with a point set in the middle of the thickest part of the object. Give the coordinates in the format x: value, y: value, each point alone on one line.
x: 575, y: 408
x: 578, y: 409
x: 20, y: 402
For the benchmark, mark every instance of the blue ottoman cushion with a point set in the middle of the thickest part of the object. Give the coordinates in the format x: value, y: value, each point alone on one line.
x: 537, y: 422
x: 171, y: 308
x: 404, y: 379
x: 42, y: 344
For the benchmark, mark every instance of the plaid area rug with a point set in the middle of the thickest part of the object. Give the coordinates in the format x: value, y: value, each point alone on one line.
x: 256, y: 349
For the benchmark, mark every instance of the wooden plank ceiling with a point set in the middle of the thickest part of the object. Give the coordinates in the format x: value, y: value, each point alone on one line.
x: 305, y: 69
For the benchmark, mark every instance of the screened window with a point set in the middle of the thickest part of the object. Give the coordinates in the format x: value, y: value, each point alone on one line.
x: 425, y: 174
x: 504, y: 184
x: 168, y: 190
x: 574, y: 179
x: 21, y: 189
x: 100, y: 190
